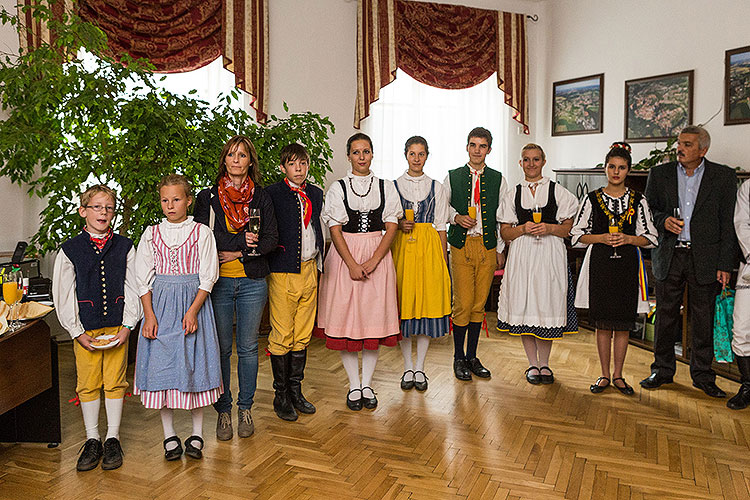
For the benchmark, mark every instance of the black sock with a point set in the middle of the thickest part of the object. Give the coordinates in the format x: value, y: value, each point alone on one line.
x: 473, y: 340
x: 459, y: 334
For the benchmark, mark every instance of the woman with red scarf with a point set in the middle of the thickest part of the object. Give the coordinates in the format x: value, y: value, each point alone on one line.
x: 241, y: 289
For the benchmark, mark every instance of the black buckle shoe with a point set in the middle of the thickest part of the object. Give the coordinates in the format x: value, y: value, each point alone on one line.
x: 546, y: 379
x: 193, y: 451
x: 477, y: 369
x: 354, y: 404
x: 420, y: 386
x: 532, y: 378
x: 92, y: 453
x: 112, y: 454
x: 461, y: 369
x: 598, y: 389
x: 625, y: 389
x: 741, y: 400
x: 174, y: 453
x: 407, y: 385
x: 369, y: 403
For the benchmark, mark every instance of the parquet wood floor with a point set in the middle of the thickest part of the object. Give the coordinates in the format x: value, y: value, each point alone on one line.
x: 495, y: 439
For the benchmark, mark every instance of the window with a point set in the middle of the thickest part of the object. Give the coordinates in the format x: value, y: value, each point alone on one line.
x: 443, y: 117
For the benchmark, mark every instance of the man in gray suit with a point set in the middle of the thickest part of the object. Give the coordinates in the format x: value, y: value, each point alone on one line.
x: 692, y: 201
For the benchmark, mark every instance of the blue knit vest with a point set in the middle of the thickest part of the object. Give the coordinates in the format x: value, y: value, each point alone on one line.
x: 100, y: 279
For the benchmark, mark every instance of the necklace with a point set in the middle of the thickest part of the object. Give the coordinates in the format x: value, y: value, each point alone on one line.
x: 356, y: 193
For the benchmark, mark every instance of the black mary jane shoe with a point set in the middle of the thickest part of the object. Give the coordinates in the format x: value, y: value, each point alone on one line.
x: 407, y: 384
x: 625, y: 389
x: 356, y: 404
x: 598, y: 389
x: 420, y: 386
x: 193, y: 451
x: 530, y: 378
x: 546, y: 379
x: 174, y: 453
x: 369, y: 403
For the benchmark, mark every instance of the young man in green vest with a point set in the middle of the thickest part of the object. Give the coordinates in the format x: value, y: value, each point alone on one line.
x: 476, y: 248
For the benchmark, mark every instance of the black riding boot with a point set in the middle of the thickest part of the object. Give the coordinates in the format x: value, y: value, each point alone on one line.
x: 282, y: 403
x: 297, y: 361
x: 742, y: 399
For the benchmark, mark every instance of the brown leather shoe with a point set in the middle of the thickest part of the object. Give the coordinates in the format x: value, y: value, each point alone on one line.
x: 224, y: 431
x: 245, y: 428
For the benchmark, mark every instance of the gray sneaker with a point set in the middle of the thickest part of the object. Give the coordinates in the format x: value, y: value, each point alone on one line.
x: 224, y: 429
x: 245, y: 428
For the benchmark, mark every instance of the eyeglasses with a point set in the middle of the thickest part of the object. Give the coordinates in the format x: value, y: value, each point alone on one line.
x: 100, y: 208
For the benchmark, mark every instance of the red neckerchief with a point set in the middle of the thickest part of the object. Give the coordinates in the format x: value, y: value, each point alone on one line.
x: 477, y: 197
x: 236, y: 202
x: 306, y: 203
x: 100, y: 242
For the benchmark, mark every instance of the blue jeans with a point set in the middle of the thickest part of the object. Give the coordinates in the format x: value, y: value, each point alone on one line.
x: 246, y: 298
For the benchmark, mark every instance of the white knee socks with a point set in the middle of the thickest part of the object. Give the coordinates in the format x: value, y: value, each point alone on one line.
x: 90, y: 410
x: 167, y: 423
x: 197, y: 414
x: 114, y: 416
x: 423, y: 343
x: 405, y: 344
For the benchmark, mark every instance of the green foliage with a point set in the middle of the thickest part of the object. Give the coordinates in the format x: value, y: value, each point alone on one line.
x: 658, y: 156
x: 73, y: 123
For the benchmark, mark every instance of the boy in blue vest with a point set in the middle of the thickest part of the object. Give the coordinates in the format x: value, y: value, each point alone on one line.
x: 95, y: 295
x: 475, y: 191
x: 293, y: 282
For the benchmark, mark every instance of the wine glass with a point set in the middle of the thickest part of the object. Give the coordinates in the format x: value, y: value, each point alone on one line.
x: 253, y: 226
x: 12, y: 292
x: 613, y: 229
x: 536, y: 214
x: 677, y: 214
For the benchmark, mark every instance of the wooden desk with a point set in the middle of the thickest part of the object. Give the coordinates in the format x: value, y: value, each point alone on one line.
x: 29, y: 385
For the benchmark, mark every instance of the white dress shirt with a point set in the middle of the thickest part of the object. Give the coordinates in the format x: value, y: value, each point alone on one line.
x: 309, y: 248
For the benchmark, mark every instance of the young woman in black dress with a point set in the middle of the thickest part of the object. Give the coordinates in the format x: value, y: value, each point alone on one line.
x: 614, y: 221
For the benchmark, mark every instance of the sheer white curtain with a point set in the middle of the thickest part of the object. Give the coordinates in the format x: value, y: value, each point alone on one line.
x: 443, y: 117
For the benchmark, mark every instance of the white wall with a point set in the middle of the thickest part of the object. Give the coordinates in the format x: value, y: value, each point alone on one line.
x: 634, y: 39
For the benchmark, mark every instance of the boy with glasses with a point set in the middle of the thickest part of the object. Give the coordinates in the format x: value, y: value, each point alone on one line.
x: 95, y: 295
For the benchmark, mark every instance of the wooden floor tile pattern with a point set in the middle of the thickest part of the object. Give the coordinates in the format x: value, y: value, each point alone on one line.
x: 487, y: 439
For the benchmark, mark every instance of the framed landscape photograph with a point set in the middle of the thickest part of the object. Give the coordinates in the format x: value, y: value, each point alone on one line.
x: 656, y: 108
x: 737, y: 86
x: 577, y: 105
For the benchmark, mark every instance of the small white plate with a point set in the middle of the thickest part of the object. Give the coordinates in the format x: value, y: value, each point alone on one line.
x: 106, y: 346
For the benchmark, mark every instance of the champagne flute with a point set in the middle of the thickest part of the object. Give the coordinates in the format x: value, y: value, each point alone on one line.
x: 12, y: 290
x: 536, y: 214
x: 613, y: 229
x: 409, y: 215
x: 253, y: 226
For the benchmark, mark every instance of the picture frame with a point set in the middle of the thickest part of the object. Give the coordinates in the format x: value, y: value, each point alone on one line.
x: 577, y: 106
x: 658, y: 107
x: 737, y: 86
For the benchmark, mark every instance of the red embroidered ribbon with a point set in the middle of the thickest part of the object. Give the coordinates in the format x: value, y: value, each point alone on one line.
x: 100, y: 242
x: 306, y: 203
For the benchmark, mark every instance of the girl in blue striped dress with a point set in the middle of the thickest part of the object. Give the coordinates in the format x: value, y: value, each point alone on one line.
x: 178, y: 351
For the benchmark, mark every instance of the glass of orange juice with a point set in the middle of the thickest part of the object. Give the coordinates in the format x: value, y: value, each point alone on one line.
x: 12, y: 290
x: 409, y: 215
x: 613, y: 229
x: 473, y: 212
x: 536, y: 215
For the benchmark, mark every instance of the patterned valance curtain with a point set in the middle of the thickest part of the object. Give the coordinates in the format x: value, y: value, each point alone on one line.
x: 445, y: 46
x: 181, y: 35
